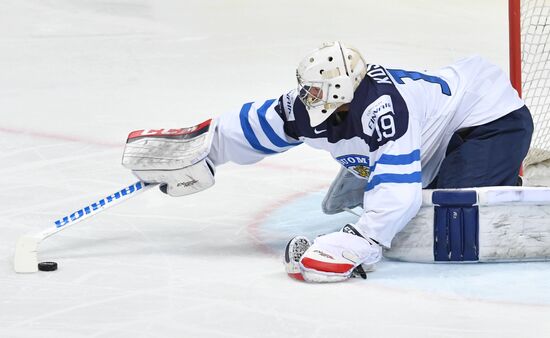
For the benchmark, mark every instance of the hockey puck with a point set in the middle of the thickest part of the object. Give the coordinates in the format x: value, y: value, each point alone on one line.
x: 47, y: 266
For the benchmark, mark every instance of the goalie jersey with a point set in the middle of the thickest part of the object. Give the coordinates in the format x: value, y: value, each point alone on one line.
x: 394, y: 135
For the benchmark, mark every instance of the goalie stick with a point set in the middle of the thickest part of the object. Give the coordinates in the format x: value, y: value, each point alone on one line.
x: 26, y: 249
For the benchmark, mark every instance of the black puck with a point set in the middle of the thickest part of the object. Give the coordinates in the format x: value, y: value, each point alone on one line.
x: 47, y: 266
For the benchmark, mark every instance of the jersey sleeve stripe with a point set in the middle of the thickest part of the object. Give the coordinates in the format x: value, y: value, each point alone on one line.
x: 400, y: 159
x: 249, y: 132
x: 415, y: 177
x: 403, y: 159
x: 268, y: 130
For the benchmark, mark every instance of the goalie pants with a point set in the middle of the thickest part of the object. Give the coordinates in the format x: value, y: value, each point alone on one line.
x: 487, y: 155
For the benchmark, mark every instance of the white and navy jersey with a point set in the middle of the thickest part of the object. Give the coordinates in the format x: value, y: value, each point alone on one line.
x: 394, y: 135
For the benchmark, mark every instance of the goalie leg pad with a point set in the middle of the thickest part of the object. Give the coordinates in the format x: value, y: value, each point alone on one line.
x: 293, y: 252
x: 335, y: 256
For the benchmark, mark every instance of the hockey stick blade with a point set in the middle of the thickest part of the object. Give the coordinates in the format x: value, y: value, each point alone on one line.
x: 26, y: 249
x: 26, y: 260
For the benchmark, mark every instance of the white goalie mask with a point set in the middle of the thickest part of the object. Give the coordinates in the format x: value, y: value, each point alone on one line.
x: 327, y: 79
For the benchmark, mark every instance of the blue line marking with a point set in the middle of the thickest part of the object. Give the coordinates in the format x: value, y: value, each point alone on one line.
x: 266, y: 127
x: 415, y: 177
x: 249, y: 132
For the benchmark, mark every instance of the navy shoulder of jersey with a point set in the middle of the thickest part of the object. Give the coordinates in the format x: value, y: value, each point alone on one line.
x: 377, y: 114
x: 284, y: 109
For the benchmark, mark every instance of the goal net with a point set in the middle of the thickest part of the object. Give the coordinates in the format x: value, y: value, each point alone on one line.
x: 530, y: 72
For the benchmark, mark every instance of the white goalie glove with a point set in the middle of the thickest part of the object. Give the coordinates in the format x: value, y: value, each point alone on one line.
x: 334, y: 257
x: 174, y: 158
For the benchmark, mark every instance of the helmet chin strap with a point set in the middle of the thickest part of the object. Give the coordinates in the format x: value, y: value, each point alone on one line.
x: 344, y: 107
x: 344, y: 58
x: 340, y: 114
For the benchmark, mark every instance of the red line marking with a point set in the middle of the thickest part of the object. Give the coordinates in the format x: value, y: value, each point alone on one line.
x: 120, y: 145
x: 261, y: 216
x: 68, y: 138
x: 289, y: 167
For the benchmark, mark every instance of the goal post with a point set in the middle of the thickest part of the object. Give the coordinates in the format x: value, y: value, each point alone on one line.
x: 514, y: 19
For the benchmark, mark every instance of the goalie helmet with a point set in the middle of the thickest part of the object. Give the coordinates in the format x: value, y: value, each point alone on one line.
x: 327, y: 79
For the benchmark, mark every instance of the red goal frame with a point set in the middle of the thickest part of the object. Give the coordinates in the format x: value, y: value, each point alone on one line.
x: 515, y: 43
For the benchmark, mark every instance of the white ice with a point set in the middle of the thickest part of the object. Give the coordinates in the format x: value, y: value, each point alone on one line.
x: 77, y: 76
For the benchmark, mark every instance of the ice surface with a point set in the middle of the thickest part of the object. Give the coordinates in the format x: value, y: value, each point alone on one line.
x: 77, y: 76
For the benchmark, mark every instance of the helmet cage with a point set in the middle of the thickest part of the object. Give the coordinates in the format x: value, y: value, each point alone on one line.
x: 313, y: 93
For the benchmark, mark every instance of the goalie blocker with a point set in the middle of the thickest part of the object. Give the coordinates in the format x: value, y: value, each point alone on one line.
x: 174, y: 158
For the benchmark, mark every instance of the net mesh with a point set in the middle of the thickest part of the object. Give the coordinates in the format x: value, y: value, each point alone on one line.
x: 535, y: 66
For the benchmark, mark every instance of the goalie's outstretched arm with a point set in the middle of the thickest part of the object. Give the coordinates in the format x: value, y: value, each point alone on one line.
x: 183, y: 160
x: 257, y: 130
